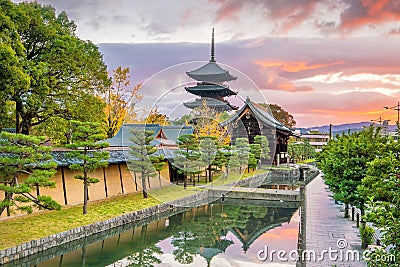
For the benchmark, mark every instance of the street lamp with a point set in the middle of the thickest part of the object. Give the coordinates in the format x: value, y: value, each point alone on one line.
x: 397, y: 107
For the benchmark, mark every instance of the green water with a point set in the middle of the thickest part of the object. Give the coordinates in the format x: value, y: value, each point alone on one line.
x: 211, y: 235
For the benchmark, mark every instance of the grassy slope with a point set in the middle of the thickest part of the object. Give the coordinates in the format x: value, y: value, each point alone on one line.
x: 21, y: 229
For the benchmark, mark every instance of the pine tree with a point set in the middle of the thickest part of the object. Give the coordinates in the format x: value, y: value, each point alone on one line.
x: 243, y: 150
x: 187, y: 157
x: 88, y: 151
x: 141, y: 151
x: 158, y: 163
x: 264, y: 148
x: 208, y: 151
x: 25, y: 165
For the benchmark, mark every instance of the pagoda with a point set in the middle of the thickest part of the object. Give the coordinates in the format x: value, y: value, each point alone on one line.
x: 211, y: 86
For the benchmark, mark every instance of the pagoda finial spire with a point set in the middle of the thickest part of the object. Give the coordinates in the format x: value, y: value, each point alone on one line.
x: 212, y: 47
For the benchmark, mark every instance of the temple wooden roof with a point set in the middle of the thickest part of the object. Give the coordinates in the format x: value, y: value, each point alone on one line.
x: 262, y: 114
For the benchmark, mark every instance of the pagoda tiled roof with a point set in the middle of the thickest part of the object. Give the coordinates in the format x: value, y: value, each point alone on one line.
x: 211, y: 72
x: 207, y: 89
x: 210, y: 102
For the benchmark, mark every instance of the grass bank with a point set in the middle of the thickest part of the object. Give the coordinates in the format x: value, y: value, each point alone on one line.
x: 21, y: 229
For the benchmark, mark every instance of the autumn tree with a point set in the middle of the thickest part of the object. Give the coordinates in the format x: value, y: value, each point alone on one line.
x: 280, y: 114
x: 88, y: 151
x: 121, y: 99
x: 156, y: 117
x: 141, y: 152
x: 25, y: 166
x: 206, y: 121
x: 58, y: 68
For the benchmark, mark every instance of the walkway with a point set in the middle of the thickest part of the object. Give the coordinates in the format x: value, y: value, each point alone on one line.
x: 326, y: 228
x: 254, y: 193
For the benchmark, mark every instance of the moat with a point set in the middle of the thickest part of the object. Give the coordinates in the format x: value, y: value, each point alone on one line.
x: 228, y: 233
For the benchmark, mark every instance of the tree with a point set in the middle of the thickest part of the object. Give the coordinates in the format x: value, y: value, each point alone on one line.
x: 88, y: 151
x: 158, y: 163
x: 263, y: 142
x: 208, y: 151
x: 243, y: 151
x: 233, y: 161
x: 25, y: 165
x: 187, y: 156
x: 301, y: 150
x: 380, y: 189
x: 11, y: 50
x: 206, y: 123
x: 184, y: 120
x: 252, y: 162
x: 121, y: 98
x: 60, y: 67
x: 141, y: 151
x: 155, y: 117
x: 280, y: 114
x: 59, y: 129
x: 344, y: 162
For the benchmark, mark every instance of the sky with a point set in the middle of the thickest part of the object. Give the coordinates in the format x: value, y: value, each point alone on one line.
x: 324, y: 61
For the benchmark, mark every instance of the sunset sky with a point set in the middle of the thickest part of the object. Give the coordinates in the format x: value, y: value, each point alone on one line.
x: 323, y: 61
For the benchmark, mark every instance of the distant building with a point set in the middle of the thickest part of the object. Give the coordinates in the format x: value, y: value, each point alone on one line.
x: 315, y: 138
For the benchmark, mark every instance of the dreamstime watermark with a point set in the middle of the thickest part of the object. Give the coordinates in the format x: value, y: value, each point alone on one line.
x: 339, y: 254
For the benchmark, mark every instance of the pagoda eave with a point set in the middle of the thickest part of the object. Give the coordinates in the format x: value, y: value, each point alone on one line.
x: 215, y: 104
x: 210, y: 91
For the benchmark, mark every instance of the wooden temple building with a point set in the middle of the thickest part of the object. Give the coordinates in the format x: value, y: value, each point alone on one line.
x: 253, y: 119
x: 211, y: 87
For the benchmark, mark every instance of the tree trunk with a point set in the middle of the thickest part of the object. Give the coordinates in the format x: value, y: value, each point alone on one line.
x: 184, y: 181
x: 144, y: 186
x: 346, y: 210
x: 85, y: 194
x: 209, y: 173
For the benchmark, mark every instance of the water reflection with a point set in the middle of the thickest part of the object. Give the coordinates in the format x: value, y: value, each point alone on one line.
x: 209, y: 235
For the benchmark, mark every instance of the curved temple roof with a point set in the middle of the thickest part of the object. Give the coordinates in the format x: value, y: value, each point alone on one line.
x: 261, y: 113
x: 211, y: 102
x: 212, y: 73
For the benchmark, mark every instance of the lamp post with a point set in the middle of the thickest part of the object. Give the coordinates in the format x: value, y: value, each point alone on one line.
x: 397, y: 107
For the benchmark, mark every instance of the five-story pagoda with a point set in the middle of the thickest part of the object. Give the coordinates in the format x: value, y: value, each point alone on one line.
x: 210, y: 86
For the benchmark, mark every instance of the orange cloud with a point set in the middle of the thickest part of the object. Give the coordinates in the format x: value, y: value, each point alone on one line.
x: 294, y: 66
x: 368, y: 12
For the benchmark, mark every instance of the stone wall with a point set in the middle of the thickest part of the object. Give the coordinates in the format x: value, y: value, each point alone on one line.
x: 52, y: 241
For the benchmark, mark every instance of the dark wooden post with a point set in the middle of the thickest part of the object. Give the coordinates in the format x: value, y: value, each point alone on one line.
x: 105, y: 181
x: 358, y: 220
x: 64, y: 187
x: 120, y: 177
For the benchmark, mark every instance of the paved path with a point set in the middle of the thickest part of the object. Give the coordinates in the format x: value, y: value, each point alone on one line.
x: 326, y: 225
